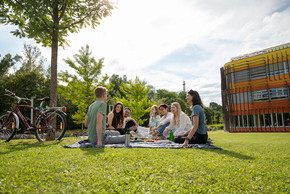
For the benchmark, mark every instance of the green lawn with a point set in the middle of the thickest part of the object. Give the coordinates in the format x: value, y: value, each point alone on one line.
x: 248, y: 163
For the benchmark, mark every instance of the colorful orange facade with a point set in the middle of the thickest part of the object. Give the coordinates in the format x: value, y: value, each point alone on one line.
x: 256, y: 91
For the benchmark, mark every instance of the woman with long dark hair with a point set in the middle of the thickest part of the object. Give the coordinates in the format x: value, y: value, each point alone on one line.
x: 116, y: 118
x: 198, y: 133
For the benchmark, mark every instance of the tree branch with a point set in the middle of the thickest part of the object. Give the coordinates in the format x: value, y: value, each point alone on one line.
x: 46, y: 26
x: 63, y: 8
x: 79, y: 21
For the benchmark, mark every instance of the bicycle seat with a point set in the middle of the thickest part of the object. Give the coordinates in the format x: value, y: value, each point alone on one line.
x: 46, y: 99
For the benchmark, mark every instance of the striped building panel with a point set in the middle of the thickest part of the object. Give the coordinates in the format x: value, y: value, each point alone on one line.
x: 256, y: 91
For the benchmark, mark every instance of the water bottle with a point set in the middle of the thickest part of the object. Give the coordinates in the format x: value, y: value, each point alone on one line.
x: 171, y: 136
x: 127, y: 138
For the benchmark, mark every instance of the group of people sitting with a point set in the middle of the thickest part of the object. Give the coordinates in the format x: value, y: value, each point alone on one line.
x: 108, y: 129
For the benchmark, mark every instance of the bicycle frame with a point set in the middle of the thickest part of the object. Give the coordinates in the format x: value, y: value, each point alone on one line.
x: 16, y: 112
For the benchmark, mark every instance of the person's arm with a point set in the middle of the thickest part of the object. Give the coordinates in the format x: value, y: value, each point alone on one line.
x: 166, y: 130
x: 110, y: 120
x: 86, y: 121
x: 135, y: 126
x: 163, y: 122
x: 99, y: 126
x: 192, y: 130
x: 182, y: 135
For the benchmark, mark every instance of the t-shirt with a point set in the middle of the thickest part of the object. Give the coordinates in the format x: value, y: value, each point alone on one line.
x: 197, y: 110
x: 98, y: 106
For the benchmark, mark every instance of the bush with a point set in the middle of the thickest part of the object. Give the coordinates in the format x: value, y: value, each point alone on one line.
x: 215, y: 127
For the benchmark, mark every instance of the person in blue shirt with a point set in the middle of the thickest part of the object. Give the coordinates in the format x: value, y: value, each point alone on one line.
x: 198, y: 133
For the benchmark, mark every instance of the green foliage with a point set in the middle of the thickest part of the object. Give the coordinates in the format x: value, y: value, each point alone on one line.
x: 213, y: 116
x: 50, y: 22
x: 47, y: 20
x: 215, y: 127
x: 6, y: 63
x: 248, y: 163
x: 33, y: 60
x: 80, y: 88
x: 136, y: 93
x: 164, y: 96
x: 215, y: 106
x: 117, y: 82
x: 25, y: 82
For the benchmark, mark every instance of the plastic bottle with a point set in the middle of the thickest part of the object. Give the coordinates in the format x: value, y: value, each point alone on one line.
x: 171, y: 136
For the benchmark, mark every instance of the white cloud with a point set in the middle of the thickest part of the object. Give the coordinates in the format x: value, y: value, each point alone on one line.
x: 142, y: 35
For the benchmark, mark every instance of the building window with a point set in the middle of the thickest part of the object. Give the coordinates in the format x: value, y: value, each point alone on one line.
x: 251, y: 121
x: 286, y: 118
x: 267, y: 120
x: 258, y: 72
x: 260, y: 95
x: 278, y: 68
x: 242, y: 75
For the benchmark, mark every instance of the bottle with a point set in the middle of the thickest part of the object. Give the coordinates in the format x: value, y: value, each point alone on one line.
x: 127, y: 138
x: 171, y: 136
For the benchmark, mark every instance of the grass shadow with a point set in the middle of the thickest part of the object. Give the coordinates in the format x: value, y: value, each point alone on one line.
x: 231, y: 154
x: 22, y: 145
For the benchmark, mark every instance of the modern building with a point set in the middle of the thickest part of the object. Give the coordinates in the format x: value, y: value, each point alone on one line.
x: 256, y: 91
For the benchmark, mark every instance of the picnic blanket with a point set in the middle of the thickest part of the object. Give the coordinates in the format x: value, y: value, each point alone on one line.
x: 141, y: 144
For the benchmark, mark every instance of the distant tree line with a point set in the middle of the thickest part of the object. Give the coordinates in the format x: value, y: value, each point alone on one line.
x: 76, y: 89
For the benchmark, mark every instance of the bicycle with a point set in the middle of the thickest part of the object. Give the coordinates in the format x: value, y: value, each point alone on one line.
x: 45, y: 119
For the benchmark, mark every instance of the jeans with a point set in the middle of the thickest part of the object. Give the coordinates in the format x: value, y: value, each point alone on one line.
x: 162, y: 128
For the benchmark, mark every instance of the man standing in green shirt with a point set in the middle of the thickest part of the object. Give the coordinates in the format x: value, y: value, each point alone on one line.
x: 96, y: 117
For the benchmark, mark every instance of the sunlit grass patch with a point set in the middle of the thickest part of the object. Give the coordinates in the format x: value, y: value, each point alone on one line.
x: 249, y: 162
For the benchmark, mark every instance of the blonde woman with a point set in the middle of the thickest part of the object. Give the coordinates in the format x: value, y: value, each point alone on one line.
x: 180, y: 122
x: 154, y: 118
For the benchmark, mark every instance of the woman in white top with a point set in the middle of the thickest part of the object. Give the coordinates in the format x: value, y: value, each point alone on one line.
x: 180, y: 122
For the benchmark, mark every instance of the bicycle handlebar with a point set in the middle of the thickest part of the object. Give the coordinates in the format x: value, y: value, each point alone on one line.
x: 62, y: 109
x: 17, y: 97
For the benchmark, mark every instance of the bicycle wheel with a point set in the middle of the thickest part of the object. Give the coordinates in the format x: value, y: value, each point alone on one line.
x: 7, y: 127
x: 55, y: 121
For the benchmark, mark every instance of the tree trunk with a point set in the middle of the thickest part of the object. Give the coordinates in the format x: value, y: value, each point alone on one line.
x: 53, y: 79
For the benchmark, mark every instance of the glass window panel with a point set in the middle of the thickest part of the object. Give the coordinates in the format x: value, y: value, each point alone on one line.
x: 281, y: 67
x: 258, y: 72
x: 245, y: 121
x: 267, y: 119
x: 261, y: 120
x: 279, y: 119
x: 286, y: 119
x: 251, y: 121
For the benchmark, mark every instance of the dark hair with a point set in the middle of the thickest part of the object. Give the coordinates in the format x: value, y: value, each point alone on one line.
x: 118, y: 117
x: 128, y: 108
x: 163, y: 105
x: 196, y: 98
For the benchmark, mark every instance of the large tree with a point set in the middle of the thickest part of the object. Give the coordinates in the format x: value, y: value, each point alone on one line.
x: 49, y: 22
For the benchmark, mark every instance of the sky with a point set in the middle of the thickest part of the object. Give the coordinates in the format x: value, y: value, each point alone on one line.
x: 167, y: 41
